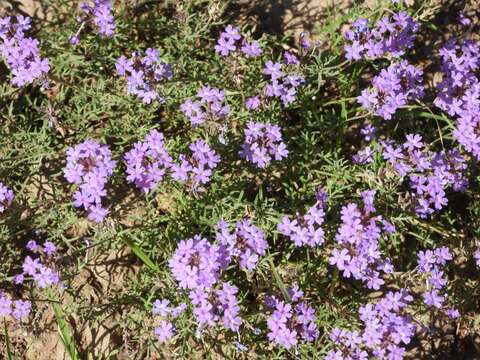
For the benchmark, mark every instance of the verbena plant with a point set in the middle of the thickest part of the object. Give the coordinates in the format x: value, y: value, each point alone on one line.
x: 277, y: 197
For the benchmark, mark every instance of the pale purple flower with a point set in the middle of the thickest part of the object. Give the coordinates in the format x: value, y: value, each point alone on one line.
x: 145, y: 74
x: 263, y: 143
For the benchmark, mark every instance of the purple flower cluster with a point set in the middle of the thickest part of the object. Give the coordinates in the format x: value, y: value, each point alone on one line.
x: 291, y: 322
x: 198, y: 167
x: 459, y: 91
x: 387, y: 329
x: 39, y: 268
x: 430, y: 264
x: 306, y: 230
x: 148, y: 161
x: 391, y: 36
x: 99, y: 17
x: 230, y: 40
x: 476, y: 256
x: 17, y: 309
x: 247, y: 243
x: 210, y: 106
x: 263, y: 143
x: 365, y: 155
x: 393, y: 88
x: 163, y: 309
x: 6, y: 197
x: 283, y: 84
x: 357, y: 253
x: 197, y: 263
x: 21, y: 53
x: 144, y: 74
x: 89, y: 165
x: 430, y: 173
x: 212, y: 306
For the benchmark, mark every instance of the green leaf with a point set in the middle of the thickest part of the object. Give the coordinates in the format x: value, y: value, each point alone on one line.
x: 142, y: 255
x: 65, y: 332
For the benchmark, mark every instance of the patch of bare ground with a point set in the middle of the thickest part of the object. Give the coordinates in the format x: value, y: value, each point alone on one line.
x: 279, y: 17
x: 97, y: 318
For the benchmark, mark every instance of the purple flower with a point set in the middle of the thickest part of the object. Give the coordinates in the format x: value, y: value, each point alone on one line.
x: 357, y: 253
x: 391, y: 36
x: 247, y: 243
x: 21, y: 54
x: 5, y: 305
x: 251, y: 49
x: 196, y: 263
x: 144, y: 74
x: 263, y: 143
x: 305, y: 230
x: 290, y: 59
x: 430, y: 264
x: 89, y: 165
x: 148, y: 161
x: 211, y: 106
x: 253, y: 103
x: 198, y: 168
x: 429, y: 173
x: 21, y: 309
x: 165, y: 331
x: 216, y: 306
x: 386, y: 330
x: 283, y: 85
x: 32, y: 245
x: 49, y: 248
x: 393, y: 88
x: 459, y: 91
x: 230, y: 40
x: 292, y: 322
x: 99, y: 16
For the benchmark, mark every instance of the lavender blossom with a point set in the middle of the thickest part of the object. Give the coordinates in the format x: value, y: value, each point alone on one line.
x: 21, y: 53
x: 430, y: 265
x: 393, y: 88
x: 145, y: 74
x: 196, y: 263
x: 291, y: 323
x: 263, y: 143
x: 211, y: 106
x: 198, y: 168
x: 89, y: 165
x: 391, y: 36
x: 386, y: 331
x: 459, y: 91
x: 357, y: 253
x: 99, y: 17
x: 247, y: 243
x: 305, y: 229
x: 283, y: 84
x: 429, y: 173
x: 211, y: 307
x: 166, y: 330
x: 6, y: 197
x: 230, y: 41
x: 148, y: 161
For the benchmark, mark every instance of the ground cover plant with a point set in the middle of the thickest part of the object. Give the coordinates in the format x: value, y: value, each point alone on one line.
x: 178, y: 182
